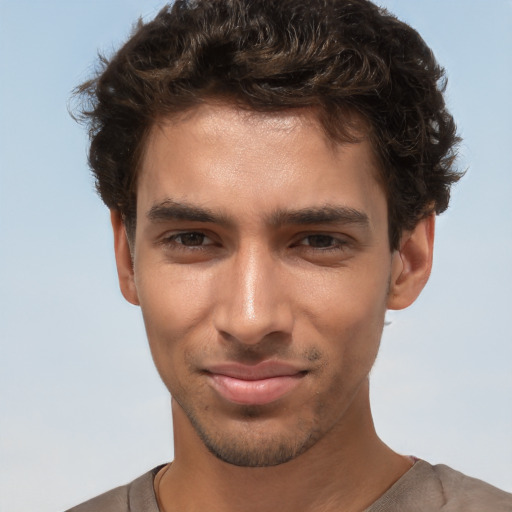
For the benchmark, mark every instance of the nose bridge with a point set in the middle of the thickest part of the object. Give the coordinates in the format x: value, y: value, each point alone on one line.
x: 254, y: 276
x: 253, y: 303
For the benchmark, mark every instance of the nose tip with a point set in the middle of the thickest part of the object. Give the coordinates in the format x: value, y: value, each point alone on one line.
x: 253, y: 304
x: 251, y: 330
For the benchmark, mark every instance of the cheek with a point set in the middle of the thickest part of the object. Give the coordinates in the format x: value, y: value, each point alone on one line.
x: 171, y: 297
x: 174, y: 303
x: 347, y: 299
x: 347, y: 311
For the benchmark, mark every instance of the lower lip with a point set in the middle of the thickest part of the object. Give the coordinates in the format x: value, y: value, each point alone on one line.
x: 254, y: 392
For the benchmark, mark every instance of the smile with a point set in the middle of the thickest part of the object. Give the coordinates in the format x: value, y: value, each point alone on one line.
x: 254, y: 385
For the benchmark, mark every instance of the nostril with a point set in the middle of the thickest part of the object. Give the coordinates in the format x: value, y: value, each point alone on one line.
x: 254, y: 344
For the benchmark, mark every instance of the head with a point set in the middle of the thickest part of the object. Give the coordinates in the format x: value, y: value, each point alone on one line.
x: 273, y: 169
x: 349, y: 60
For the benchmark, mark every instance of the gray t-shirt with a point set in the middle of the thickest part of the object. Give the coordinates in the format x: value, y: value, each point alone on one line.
x: 424, y: 488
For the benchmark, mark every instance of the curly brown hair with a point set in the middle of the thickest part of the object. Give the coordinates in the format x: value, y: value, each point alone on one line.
x: 341, y: 57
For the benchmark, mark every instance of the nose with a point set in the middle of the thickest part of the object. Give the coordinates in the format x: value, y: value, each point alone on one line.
x: 252, y: 303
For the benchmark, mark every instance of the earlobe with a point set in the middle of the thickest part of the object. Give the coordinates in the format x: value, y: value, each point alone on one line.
x: 412, y: 264
x: 124, y: 260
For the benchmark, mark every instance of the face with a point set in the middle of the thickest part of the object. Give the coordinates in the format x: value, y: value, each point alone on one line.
x: 263, y: 270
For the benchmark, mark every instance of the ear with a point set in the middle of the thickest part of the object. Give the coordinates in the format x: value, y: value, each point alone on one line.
x: 412, y: 264
x: 124, y: 260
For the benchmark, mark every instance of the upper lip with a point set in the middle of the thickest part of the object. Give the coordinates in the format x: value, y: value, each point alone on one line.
x: 260, y: 371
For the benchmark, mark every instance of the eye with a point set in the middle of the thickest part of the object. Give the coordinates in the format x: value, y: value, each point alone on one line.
x: 188, y: 247
x: 323, y: 248
x: 321, y: 241
x: 188, y: 239
x: 191, y: 239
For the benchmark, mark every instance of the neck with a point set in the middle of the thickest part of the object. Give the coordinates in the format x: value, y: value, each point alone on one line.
x: 348, y: 469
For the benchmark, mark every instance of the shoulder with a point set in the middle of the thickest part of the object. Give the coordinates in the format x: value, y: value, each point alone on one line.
x: 441, y: 489
x: 463, y: 492
x: 115, y: 500
x: 137, y: 496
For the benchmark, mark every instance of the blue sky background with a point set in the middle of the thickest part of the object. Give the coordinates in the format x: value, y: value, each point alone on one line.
x: 82, y: 408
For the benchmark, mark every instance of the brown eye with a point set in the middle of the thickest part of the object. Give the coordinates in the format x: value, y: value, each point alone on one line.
x: 191, y: 239
x: 321, y: 241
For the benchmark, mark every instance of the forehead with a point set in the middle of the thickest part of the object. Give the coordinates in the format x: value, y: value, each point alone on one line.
x: 222, y: 156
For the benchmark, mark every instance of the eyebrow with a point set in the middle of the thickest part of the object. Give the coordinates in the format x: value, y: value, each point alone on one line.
x: 327, y: 214
x: 169, y: 209
x: 173, y: 210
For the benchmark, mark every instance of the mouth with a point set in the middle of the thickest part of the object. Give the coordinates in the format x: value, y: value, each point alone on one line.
x: 259, y: 384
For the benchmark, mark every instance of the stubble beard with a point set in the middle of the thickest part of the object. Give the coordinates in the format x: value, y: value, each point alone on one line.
x: 251, y: 449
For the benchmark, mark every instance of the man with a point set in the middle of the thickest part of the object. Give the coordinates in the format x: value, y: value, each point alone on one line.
x: 273, y: 170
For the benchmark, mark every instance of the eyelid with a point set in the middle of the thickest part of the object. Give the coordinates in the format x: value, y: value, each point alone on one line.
x: 333, y: 238
x: 338, y: 239
x: 171, y: 237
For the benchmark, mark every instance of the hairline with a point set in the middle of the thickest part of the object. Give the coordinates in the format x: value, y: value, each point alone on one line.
x: 358, y: 128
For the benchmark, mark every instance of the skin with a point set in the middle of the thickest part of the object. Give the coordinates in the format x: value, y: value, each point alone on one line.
x: 257, y: 241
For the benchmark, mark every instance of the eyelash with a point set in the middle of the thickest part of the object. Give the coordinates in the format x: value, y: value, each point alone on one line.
x: 336, y: 244
x: 171, y: 240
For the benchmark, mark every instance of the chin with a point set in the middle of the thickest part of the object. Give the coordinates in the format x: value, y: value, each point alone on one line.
x: 256, y: 454
x: 256, y: 442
